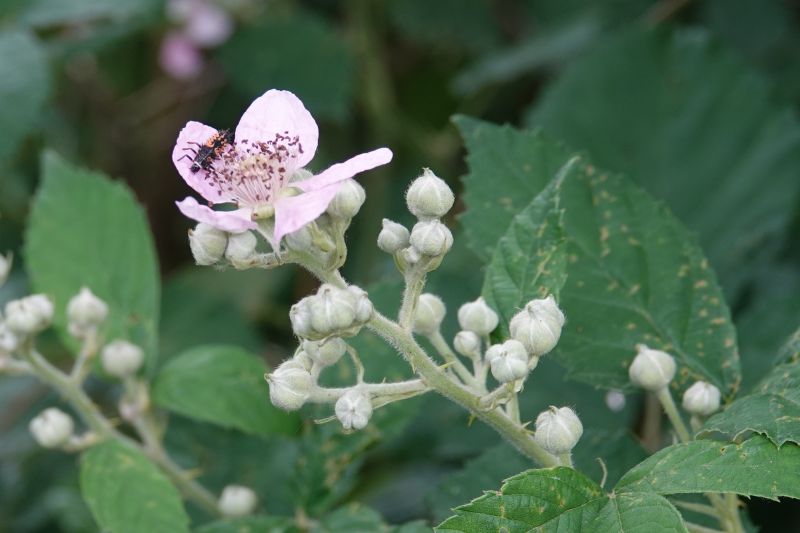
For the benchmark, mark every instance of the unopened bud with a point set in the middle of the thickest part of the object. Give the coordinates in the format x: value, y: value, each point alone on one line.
x: 348, y: 200
x: 289, y: 386
x: 237, y: 500
x: 5, y: 267
x: 393, y: 237
x: 362, y: 304
x: 300, y: 316
x: 429, y: 196
x: 354, y: 409
x: 478, y: 317
x: 85, y: 311
x: 558, y: 430
x: 207, y: 244
x: 121, y: 358
x: 29, y: 315
x: 431, y: 238
x: 428, y: 314
x: 332, y: 309
x: 300, y: 240
x: 701, y: 399
x: 538, y: 326
x: 651, y: 369
x: 410, y: 255
x: 8, y: 340
x: 241, y: 246
x: 467, y: 343
x: 327, y: 352
x: 615, y: 400
x: 509, y: 361
x: 52, y: 428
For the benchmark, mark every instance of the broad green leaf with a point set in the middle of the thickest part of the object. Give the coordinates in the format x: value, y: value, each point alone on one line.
x: 86, y: 230
x: 45, y: 13
x: 507, y: 169
x: 223, y: 385
x: 561, y: 499
x: 300, y: 53
x: 251, y: 524
x: 24, y: 87
x: 530, y: 260
x: 360, y: 518
x: 127, y: 493
x: 773, y: 408
x: 688, y: 121
x: 755, y: 467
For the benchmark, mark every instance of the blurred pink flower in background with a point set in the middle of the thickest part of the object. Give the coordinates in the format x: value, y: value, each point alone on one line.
x: 199, y: 24
x: 179, y: 57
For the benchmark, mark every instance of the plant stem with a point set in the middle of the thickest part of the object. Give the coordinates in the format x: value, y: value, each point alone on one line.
x: 415, y: 282
x: 85, y: 356
x: 697, y: 508
x: 665, y: 397
x: 438, y: 342
x: 331, y: 394
x: 512, y: 408
x: 566, y: 459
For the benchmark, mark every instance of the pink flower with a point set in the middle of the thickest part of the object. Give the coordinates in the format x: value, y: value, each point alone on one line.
x: 179, y: 57
x: 275, y: 137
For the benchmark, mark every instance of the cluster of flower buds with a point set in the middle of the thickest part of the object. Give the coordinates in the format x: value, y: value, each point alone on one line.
x: 428, y: 198
x: 210, y: 246
x: 29, y: 315
x: 237, y: 500
x: 331, y: 312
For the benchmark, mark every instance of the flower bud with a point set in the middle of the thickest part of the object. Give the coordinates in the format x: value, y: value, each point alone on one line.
x: 467, y: 343
x: 354, y: 409
x: 8, y: 340
x: 651, y: 369
x: 615, y: 400
x: 303, y: 359
x: 429, y: 196
x: 289, y: 386
x: 5, y: 267
x: 237, y: 500
x: 363, y: 306
x: 121, y: 358
x: 428, y: 315
x: 538, y: 326
x: 558, y: 430
x: 332, y: 309
x: 431, y: 238
x: 85, y: 311
x: 207, y: 244
x: 348, y: 200
x: 393, y: 237
x: 52, y: 428
x: 701, y: 399
x: 241, y: 246
x: 478, y: 317
x: 300, y: 316
x: 509, y: 361
x: 29, y: 315
x: 300, y: 240
x: 327, y: 352
x: 410, y: 255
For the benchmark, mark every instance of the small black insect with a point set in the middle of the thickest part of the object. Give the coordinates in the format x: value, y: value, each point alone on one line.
x: 206, y: 153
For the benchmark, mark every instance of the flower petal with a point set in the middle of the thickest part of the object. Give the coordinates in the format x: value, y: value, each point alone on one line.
x: 280, y: 112
x: 231, y: 221
x: 342, y: 171
x: 294, y: 212
x: 182, y: 158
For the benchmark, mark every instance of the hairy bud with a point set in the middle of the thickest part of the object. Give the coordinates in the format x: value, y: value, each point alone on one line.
x: 429, y: 196
x: 207, y: 244
x: 651, y: 369
x: 431, y: 238
x: 300, y: 316
x: 558, y: 430
x: 85, y: 311
x: 354, y: 409
x: 428, y: 314
x: 509, y: 361
x: 241, y: 246
x: 299, y: 240
x: 52, y: 428
x: 237, y: 500
x: 467, y: 343
x: 327, y: 352
x: 538, y: 326
x: 29, y: 315
x: 362, y: 304
x: 5, y: 267
x: 701, y: 399
x: 332, y: 309
x: 121, y: 358
x: 478, y: 317
x: 348, y: 200
x: 393, y: 237
x: 289, y: 385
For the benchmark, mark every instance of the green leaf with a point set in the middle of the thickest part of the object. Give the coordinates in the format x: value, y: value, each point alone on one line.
x: 755, y: 467
x: 693, y: 125
x: 24, y: 87
x: 354, y: 517
x: 773, y: 408
x: 223, y: 385
x: 86, y: 230
x: 300, y: 53
x: 127, y: 493
x: 251, y: 524
x: 530, y: 260
x: 45, y: 13
x: 561, y: 499
x: 502, y: 180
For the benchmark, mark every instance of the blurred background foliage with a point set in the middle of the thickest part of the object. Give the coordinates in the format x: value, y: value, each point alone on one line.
x: 695, y: 100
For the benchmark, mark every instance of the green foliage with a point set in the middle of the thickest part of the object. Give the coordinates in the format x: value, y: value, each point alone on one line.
x: 128, y: 494
x: 755, y: 467
x: 773, y: 408
x: 686, y: 120
x: 86, y: 230
x: 46, y: 13
x: 250, y: 524
x: 223, y: 385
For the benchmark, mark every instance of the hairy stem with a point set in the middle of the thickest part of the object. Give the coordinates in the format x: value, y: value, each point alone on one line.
x: 415, y: 282
x: 665, y: 397
x: 438, y: 342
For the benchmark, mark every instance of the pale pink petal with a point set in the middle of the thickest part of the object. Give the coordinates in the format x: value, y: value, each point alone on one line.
x: 208, y: 25
x: 280, y: 112
x: 231, y: 221
x: 182, y: 157
x: 294, y: 212
x: 342, y: 171
x: 179, y: 57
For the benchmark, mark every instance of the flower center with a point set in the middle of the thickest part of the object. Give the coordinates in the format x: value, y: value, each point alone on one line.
x: 252, y: 173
